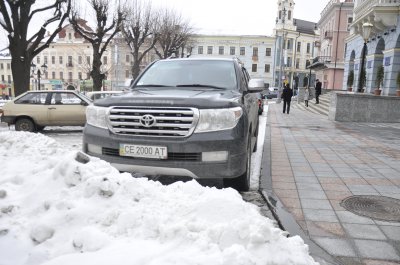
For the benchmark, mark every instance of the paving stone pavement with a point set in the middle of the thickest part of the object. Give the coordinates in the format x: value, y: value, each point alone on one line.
x: 316, y: 163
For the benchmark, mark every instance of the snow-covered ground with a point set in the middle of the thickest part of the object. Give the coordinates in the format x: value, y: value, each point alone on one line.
x: 55, y: 210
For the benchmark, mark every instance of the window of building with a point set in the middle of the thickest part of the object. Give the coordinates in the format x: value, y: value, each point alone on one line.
x: 79, y: 75
x: 88, y: 60
x: 2, y: 78
x: 45, y: 60
x: 221, y: 50
x: 104, y: 59
x: 79, y: 59
x: 69, y: 35
x: 8, y: 66
x: 232, y: 50
x: 127, y: 58
x: 255, y: 51
x: 70, y: 76
x: 126, y: 73
x: 200, y: 50
x: 1, y: 66
x: 61, y: 75
x: 289, y: 15
x: 298, y: 46
x: 254, y: 68
x: 268, y: 52
x: 297, y: 63
x: 88, y: 76
x: 46, y: 75
x: 209, y: 50
x: 267, y: 68
x: 9, y: 79
x: 60, y: 59
x: 349, y: 21
x: 70, y: 61
x: 289, y: 44
x: 38, y: 60
x: 53, y: 59
x: 308, y: 47
x: 280, y: 14
x: 242, y: 51
x: 289, y: 62
x: 53, y: 75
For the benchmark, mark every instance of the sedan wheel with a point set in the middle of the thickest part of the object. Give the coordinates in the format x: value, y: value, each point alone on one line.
x: 24, y: 124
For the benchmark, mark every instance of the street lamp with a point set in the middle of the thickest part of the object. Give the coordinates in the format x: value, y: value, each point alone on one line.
x: 282, y: 56
x: 366, y: 31
x: 38, y: 72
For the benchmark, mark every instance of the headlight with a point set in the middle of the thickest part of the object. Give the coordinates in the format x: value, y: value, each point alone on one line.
x: 96, y: 116
x: 218, y: 119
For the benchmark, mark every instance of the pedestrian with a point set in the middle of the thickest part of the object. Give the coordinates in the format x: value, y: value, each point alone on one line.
x: 318, y: 87
x: 306, y: 96
x: 287, y: 95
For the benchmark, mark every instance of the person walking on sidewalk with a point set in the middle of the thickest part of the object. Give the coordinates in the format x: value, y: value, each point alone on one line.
x: 306, y: 96
x: 287, y: 95
x: 318, y: 87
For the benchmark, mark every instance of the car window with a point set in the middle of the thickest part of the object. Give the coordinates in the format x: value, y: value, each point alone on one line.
x: 33, y: 98
x: 65, y: 99
x: 181, y: 72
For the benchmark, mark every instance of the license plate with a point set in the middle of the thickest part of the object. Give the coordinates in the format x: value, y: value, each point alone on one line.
x: 147, y: 151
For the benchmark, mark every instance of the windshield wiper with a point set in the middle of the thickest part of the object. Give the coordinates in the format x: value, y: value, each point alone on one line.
x: 200, y: 85
x: 151, y: 85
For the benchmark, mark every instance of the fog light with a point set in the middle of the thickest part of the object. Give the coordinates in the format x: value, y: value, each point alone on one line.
x: 94, y: 149
x: 214, y: 156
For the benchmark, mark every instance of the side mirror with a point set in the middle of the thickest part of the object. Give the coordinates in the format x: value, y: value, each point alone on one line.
x: 84, y: 103
x: 256, y: 85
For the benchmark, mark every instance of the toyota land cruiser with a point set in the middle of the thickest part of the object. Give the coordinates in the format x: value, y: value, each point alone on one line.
x: 184, y: 117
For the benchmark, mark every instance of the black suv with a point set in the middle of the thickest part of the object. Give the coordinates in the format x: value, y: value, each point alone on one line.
x: 184, y: 117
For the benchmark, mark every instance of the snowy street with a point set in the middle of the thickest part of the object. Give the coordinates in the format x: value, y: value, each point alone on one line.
x: 57, y: 210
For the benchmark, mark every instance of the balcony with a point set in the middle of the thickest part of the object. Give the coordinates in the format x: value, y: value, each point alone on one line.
x: 328, y: 34
x: 320, y: 62
x: 381, y: 13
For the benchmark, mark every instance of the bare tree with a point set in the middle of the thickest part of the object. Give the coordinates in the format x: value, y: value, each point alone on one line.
x: 173, y: 34
x: 139, y: 31
x: 16, y: 16
x: 108, y: 24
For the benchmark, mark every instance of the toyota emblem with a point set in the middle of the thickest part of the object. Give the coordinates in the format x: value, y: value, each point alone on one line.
x: 147, y: 120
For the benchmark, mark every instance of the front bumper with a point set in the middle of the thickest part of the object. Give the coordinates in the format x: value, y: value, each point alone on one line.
x: 185, y: 154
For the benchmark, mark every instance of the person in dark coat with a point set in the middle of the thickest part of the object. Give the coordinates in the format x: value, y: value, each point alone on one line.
x: 287, y: 95
x: 318, y: 87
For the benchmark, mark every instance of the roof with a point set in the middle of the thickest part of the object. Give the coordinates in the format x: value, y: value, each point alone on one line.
x: 306, y: 27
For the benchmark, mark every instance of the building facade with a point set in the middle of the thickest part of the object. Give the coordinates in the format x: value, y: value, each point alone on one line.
x: 255, y: 52
x: 382, y: 46
x: 334, y: 26
x: 296, y: 44
x: 6, y: 82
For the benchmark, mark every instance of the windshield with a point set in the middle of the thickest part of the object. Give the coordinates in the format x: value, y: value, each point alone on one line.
x: 191, y: 73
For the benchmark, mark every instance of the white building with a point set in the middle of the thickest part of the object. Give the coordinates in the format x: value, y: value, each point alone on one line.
x: 255, y: 52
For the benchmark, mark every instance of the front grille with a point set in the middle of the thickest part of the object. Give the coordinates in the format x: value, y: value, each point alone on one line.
x: 173, y: 122
x: 171, y: 156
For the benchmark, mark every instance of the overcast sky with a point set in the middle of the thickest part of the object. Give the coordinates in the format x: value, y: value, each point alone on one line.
x: 249, y: 17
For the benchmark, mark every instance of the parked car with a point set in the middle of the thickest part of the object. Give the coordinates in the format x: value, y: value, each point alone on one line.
x: 271, y: 92
x: 34, y: 110
x: 95, y: 95
x: 193, y: 117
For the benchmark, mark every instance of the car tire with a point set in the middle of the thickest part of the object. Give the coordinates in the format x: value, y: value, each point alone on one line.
x: 25, y: 124
x: 242, y: 183
x: 40, y: 128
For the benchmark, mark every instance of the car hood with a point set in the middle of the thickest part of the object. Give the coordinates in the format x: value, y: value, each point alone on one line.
x: 182, y: 97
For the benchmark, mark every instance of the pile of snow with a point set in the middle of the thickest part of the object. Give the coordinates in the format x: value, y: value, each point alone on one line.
x: 55, y: 210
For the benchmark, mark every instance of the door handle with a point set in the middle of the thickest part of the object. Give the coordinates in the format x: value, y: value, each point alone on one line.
x: 52, y: 108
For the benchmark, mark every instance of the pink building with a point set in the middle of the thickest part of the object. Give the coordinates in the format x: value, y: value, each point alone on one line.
x: 334, y: 28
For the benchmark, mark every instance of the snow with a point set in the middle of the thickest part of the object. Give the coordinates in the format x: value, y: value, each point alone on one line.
x: 55, y: 210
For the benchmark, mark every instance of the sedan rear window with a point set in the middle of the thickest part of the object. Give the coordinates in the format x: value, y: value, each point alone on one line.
x: 181, y: 73
x: 32, y: 98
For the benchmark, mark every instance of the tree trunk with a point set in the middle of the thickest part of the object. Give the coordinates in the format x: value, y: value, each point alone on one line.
x: 135, y: 69
x: 21, y: 71
x: 96, y: 74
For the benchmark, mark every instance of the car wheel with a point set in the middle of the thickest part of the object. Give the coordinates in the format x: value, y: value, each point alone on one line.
x: 25, y: 124
x: 242, y: 183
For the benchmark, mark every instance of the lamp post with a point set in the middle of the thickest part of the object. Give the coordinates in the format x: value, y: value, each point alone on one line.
x: 38, y: 72
x: 366, y: 31
x: 281, y: 55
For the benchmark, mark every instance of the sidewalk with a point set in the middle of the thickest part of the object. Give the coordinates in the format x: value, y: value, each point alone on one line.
x: 317, y: 163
